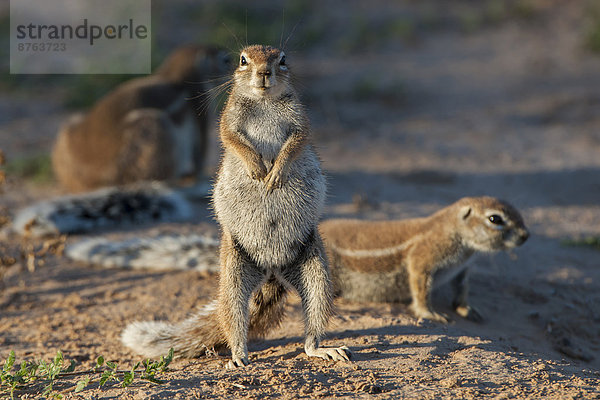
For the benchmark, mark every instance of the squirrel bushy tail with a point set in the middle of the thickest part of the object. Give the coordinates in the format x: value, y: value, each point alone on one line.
x: 107, y: 208
x: 164, y: 251
x: 201, y: 332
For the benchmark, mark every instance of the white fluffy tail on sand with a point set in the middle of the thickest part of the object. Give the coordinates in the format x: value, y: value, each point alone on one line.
x: 108, y: 208
x: 201, y: 332
x: 151, y: 339
x: 191, y: 337
x: 174, y: 252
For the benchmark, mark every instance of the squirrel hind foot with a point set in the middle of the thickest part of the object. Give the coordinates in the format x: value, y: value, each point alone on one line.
x: 341, y: 353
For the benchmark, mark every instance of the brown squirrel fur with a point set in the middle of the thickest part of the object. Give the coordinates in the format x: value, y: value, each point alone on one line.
x: 268, y: 197
x: 394, y: 261
x: 148, y: 128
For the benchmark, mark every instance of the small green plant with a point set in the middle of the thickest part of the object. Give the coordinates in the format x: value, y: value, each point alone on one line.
x: 592, y: 32
x: 11, y: 382
x: 49, y: 371
x: 590, y: 241
x: 523, y: 9
x: 226, y: 24
x: 84, y: 90
x: 365, y: 88
x: 37, y: 168
x: 479, y: 15
x: 41, y: 377
x: 372, y: 88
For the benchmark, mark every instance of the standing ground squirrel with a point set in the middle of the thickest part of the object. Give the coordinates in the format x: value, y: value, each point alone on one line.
x: 147, y: 128
x: 393, y: 261
x: 268, y: 197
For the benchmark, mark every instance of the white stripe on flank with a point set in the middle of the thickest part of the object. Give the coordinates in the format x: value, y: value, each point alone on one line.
x: 387, y: 251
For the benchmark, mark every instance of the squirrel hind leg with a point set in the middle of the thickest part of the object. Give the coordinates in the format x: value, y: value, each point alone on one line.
x: 239, y: 279
x: 310, y: 277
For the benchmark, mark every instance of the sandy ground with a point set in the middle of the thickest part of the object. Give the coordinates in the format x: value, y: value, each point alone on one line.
x: 512, y: 111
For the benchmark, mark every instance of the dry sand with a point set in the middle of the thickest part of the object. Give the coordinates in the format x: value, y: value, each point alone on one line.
x: 511, y: 111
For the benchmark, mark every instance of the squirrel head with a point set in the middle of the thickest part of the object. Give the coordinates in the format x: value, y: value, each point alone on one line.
x: 489, y: 224
x: 262, y: 72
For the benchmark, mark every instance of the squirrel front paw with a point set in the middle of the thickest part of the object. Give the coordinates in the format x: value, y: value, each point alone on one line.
x: 257, y: 170
x: 275, y: 179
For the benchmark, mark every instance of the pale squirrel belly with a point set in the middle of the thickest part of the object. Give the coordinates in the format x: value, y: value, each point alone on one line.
x: 274, y: 226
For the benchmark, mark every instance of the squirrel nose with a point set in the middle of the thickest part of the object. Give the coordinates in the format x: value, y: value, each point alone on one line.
x: 524, y: 235
x: 266, y: 72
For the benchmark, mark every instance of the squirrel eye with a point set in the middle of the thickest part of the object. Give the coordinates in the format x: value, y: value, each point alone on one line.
x: 243, y: 61
x: 282, y: 61
x: 496, y: 219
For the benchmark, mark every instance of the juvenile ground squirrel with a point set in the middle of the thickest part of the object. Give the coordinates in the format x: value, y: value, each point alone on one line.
x: 268, y: 197
x: 147, y: 128
x: 393, y: 261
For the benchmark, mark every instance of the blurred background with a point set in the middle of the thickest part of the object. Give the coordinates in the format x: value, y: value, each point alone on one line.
x: 413, y: 104
x: 483, y: 85
x: 503, y: 92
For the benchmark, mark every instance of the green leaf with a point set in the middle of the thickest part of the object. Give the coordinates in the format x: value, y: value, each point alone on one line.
x: 106, y: 375
x: 32, y: 371
x: 48, y: 389
x: 99, y: 361
x: 71, y: 367
x: 58, y: 359
x: 128, y: 378
x: 165, y: 361
x: 82, y: 384
x: 24, y: 369
x: 112, y: 365
x: 43, y: 367
x: 8, y: 364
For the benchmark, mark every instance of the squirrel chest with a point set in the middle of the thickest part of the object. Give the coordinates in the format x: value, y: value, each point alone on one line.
x: 272, y: 227
x: 265, y: 126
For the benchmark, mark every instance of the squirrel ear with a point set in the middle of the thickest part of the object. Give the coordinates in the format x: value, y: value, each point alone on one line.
x: 465, y: 212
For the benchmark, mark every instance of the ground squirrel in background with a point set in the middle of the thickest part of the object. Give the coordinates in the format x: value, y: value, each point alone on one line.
x: 268, y: 196
x: 148, y: 128
x: 394, y: 261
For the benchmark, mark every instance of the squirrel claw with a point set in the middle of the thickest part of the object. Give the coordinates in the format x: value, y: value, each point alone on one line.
x: 257, y: 174
x: 236, y: 363
x: 431, y: 315
x: 273, y: 180
x: 342, y: 353
x: 469, y: 313
x: 257, y: 170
